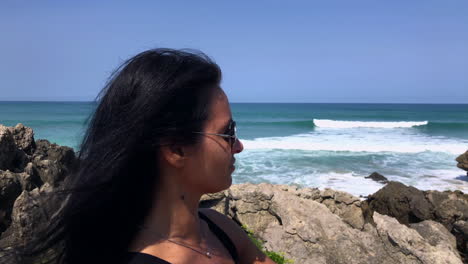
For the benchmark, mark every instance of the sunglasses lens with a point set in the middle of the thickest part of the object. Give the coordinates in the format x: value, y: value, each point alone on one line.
x: 231, y: 131
x: 234, y: 129
x: 234, y: 134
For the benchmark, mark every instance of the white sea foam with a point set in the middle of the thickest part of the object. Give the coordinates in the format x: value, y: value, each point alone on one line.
x: 341, y: 158
x: 357, y: 184
x: 348, y: 182
x: 311, y: 169
x: 326, y: 123
x: 360, y: 141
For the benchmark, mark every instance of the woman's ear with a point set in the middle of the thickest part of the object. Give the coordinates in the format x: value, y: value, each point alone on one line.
x: 174, y: 155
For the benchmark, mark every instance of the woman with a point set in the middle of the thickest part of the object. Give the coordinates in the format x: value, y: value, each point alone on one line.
x: 162, y: 136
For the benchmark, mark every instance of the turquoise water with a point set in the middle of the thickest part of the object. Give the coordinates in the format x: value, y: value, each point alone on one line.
x: 259, y: 120
x: 319, y: 145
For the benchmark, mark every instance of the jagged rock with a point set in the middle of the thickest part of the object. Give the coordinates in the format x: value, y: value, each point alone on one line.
x: 28, y: 182
x: 344, y: 205
x: 310, y: 193
x: 11, y: 158
x: 436, y: 234
x: 410, y: 243
x: 448, y: 206
x: 463, y: 161
x: 451, y: 209
x: 216, y: 201
x: 24, y: 138
x: 7, y: 148
x: 52, y: 162
x: 32, y: 211
x: 460, y: 230
x: 410, y: 205
x: 309, y: 226
x: 405, y: 203
x: 24, y: 168
x: 10, y: 189
x: 30, y: 178
x: 304, y: 229
x: 375, y: 176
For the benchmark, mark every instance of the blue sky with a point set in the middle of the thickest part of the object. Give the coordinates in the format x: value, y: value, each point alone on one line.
x: 269, y: 51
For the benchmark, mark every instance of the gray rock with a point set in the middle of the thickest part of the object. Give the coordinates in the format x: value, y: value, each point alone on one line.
x: 375, y: 176
x: 449, y: 206
x: 24, y: 138
x: 463, y: 161
x: 413, y: 245
x: 7, y: 148
x: 436, y: 234
x: 11, y: 158
x: 216, y: 201
x: 52, y: 162
x: 346, y: 206
x: 406, y: 203
x: 24, y: 168
x: 451, y: 209
x: 10, y: 189
x: 309, y: 226
x: 410, y: 205
x: 28, y: 182
x: 32, y: 211
x: 460, y: 230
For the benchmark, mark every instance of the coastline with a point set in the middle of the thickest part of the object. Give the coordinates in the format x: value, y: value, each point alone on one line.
x: 397, y: 224
x: 290, y: 144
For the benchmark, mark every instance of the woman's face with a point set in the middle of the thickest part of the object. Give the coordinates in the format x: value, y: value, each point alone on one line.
x: 211, y: 162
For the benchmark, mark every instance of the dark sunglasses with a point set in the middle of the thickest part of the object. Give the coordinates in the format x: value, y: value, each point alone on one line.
x: 230, y: 135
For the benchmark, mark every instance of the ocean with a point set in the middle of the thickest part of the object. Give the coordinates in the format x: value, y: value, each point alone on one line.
x: 315, y: 145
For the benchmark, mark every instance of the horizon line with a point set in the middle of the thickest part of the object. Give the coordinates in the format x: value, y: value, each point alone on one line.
x: 272, y: 102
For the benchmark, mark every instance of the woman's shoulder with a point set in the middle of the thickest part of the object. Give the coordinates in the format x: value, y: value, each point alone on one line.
x: 218, y: 218
x: 247, y: 251
x: 232, y: 230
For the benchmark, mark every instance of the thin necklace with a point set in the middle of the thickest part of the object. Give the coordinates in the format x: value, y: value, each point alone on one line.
x: 207, y: 253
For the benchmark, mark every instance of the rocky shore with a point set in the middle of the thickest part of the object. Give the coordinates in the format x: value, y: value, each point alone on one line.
x: 397, y: 224
x: 463, y: 162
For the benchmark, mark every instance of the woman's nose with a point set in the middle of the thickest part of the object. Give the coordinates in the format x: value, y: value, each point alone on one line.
x: 238, y: 146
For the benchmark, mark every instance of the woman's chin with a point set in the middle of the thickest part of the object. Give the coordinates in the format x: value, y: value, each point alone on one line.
x: 225, y: 185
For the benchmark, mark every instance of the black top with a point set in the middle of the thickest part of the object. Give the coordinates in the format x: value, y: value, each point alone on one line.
x: 142, y: 258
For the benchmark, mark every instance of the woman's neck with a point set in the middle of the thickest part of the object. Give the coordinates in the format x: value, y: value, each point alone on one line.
x: 174, y: 215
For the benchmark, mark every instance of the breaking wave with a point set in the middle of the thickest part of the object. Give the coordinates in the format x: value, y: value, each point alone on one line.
x: 326, y: 123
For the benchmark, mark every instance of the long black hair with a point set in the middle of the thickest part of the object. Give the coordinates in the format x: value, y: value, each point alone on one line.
x: 158, y: 97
